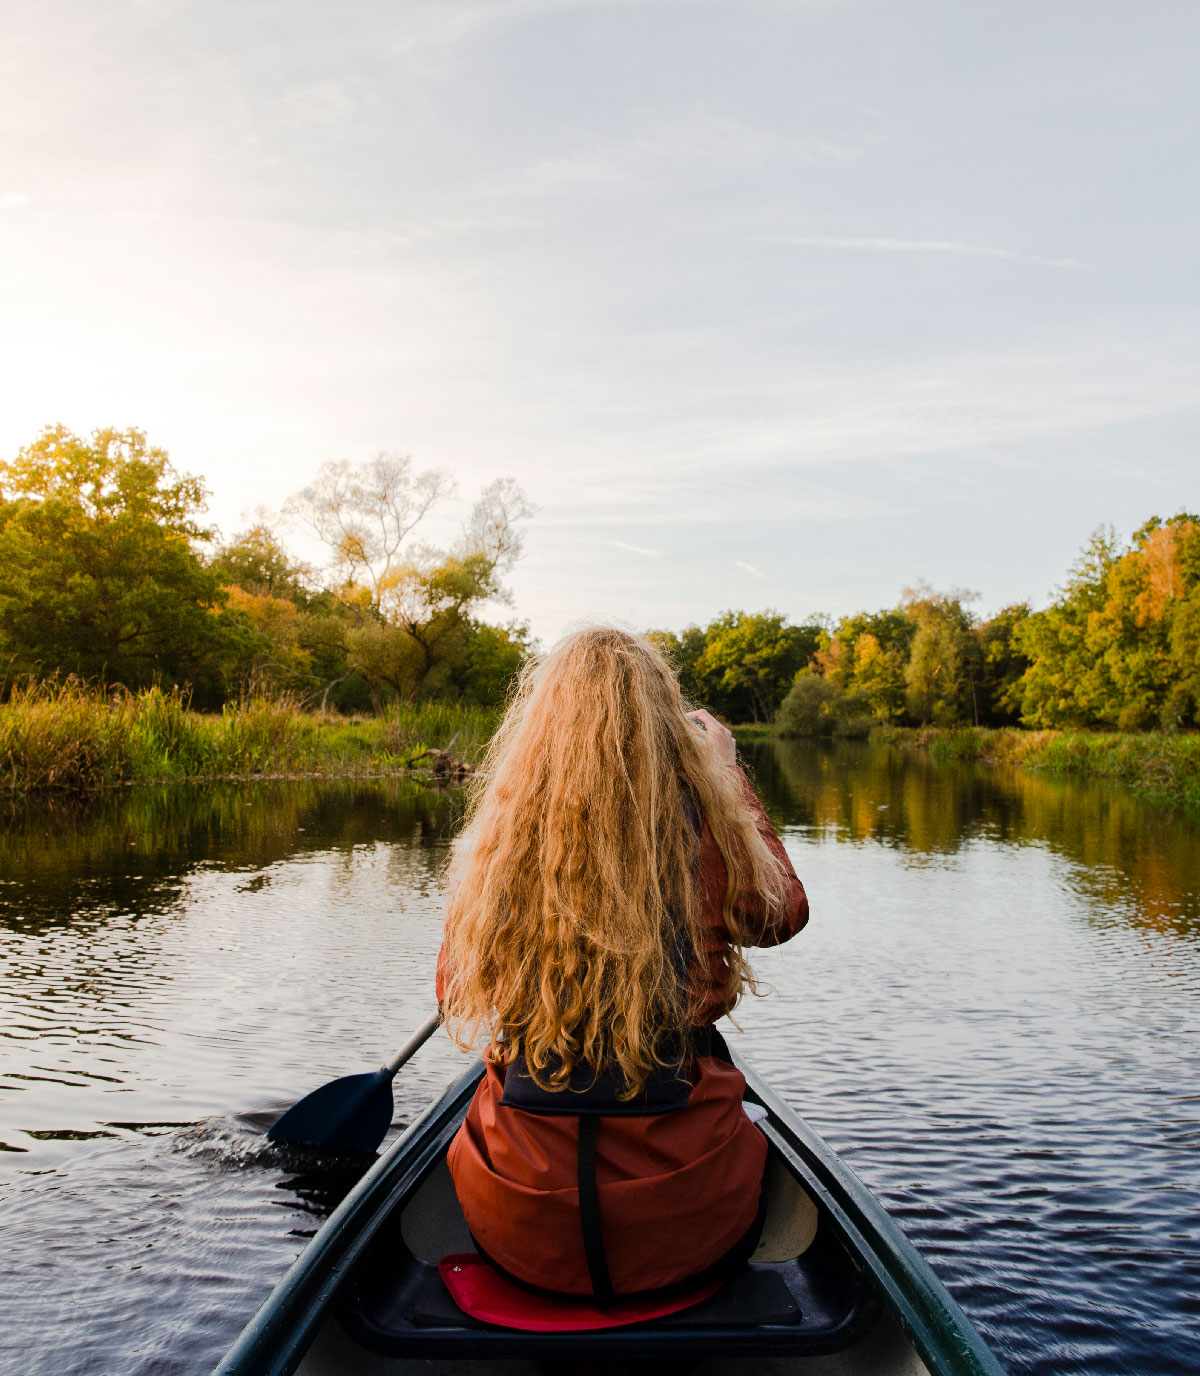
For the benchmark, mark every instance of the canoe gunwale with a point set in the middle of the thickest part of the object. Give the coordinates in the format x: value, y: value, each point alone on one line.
x: 274, y: 1341
x: 942, y: 1334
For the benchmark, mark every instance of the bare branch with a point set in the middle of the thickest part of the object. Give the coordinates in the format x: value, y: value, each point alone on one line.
x: 492, y: 530
x: 365, y: 512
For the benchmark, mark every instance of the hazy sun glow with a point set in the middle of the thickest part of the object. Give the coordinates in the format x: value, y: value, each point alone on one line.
x: 764, y: 304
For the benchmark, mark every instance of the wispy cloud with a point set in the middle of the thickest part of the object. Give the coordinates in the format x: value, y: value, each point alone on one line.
x: 447, y: 23
x: 886, y: 244
x: 319, y: 104
x: 440, y: 25
x: 671, y: 142
x: 636, y: 549
x: 13, y: 198
x: 750, y: 569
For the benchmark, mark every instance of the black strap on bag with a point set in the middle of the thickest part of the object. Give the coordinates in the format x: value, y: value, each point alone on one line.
x: 707, y: 1041
x: 589, y: 1209
x: 589, y: 1106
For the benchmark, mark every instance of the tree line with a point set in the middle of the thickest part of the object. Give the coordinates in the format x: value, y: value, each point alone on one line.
x: 108, y: 573
x: 1118, y: 647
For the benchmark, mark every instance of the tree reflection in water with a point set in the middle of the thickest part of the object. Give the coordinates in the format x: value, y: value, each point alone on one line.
x: 131, y: 851
x: 1134, y: 859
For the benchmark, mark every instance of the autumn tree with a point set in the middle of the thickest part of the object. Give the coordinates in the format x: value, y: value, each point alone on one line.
x: 1181, y: 704
x: 1118, y: 646
x: 866, y: 657
x: 1149, y: 590
x: 293, y: 632
x: 877, y: 677
x: 429, y: 599
x: 366, y: 513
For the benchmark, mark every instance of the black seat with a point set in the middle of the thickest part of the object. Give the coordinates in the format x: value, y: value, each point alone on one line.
x: 396, y: 1305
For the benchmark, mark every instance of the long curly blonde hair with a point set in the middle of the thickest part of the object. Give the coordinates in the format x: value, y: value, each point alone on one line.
x: 572, y: 886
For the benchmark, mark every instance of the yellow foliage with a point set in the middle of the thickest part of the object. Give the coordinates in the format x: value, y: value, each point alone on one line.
x: 1159, y: 558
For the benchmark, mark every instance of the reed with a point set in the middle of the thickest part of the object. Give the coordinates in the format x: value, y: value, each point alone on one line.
x: 1161, y: 765
x: 70, y: 736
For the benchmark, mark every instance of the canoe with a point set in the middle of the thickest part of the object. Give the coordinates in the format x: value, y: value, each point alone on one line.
x: 834, y: 1289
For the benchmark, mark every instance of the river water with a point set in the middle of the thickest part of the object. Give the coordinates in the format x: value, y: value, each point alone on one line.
x: 994, y: 1015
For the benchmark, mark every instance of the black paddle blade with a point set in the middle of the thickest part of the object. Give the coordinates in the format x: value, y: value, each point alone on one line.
x: 350, y: 1114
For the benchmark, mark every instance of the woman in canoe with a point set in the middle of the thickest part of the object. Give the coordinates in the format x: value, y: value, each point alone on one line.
x: 615, y: 864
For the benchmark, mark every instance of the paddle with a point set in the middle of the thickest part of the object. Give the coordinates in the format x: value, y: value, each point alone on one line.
x: 353, y: 1113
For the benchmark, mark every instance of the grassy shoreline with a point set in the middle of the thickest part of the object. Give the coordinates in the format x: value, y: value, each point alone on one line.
x: 68, y: 737
x: 71, y: 738
x: 1163, y: 767
x: 753, y: 731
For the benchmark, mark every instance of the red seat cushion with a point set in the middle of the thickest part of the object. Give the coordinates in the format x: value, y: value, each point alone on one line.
x: 482, y: 1292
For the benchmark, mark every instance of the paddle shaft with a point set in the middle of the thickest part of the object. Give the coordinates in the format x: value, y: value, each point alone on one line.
x: 414, y: 1043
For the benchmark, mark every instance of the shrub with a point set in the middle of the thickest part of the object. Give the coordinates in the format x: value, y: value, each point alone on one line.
x: 815, y: 707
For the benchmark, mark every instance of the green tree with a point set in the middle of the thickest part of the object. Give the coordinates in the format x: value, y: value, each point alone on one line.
x: 256, y: 561
x: 1068, y: 682
x: 942, y: 673
x: 749, y: 662
x: 815, y: 706
x: 385, y: 656
x: 1002, y: 665
x: 492, y: 659
x: 683, y: 653
x: 99, y: 574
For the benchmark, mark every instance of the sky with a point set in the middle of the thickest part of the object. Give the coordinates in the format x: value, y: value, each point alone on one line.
x: 764, y: 304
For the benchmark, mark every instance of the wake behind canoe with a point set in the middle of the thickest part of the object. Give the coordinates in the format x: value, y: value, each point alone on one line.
x: 834, y: 1289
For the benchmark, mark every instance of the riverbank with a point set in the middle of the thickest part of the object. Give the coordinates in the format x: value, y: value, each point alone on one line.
x: 69, y: 738
x: 1164, y: 768
x: 753, y: 731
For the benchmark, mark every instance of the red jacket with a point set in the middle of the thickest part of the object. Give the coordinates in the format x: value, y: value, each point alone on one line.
x: 677, y: 1190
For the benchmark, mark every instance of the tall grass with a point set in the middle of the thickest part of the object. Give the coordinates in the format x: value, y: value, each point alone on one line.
x: 1163, y: 766
x: 72, y: 736
x: 64, y: 736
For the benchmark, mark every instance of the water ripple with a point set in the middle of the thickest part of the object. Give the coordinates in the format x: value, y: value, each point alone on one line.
x: 994, y: 1016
